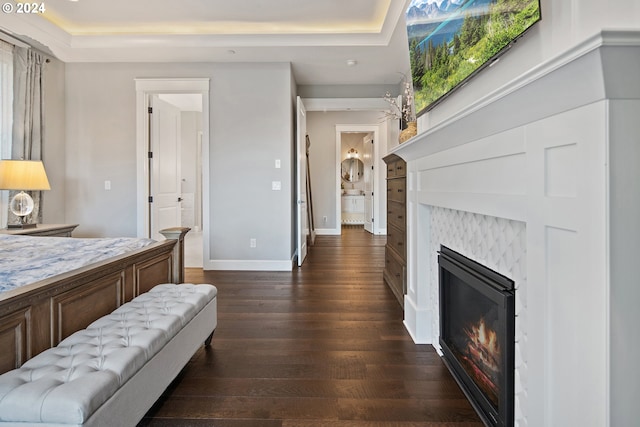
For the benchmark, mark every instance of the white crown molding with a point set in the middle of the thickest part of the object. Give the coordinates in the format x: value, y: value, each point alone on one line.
x: 395, y: 16
x: 29, y: 28
x: 124, y: 47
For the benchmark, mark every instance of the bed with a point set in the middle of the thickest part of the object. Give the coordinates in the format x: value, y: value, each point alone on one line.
x: 38, y: 310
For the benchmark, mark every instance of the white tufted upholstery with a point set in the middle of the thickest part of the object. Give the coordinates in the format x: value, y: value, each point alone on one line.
x: 67, y: 383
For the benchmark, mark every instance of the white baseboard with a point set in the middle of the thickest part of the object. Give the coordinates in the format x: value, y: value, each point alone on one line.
x: 417, y: 321
x: 328, y: 231
x: 249, y: 265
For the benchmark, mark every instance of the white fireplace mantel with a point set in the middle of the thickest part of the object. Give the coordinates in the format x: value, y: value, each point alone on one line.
x: 553, y: 154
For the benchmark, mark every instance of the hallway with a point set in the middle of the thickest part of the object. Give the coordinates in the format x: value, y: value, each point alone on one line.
x: 323, y: 345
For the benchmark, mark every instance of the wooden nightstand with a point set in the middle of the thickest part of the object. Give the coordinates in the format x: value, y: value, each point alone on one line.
x: 57, y: 230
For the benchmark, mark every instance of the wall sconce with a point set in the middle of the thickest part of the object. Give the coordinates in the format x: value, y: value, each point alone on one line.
x: 22, y: 175
x: 352, y: 154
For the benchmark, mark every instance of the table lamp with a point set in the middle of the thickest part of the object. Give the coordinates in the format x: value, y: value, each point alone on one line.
x: 22, y: 175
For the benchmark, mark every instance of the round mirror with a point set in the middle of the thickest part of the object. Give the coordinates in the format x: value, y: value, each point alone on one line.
x: 352, y: 170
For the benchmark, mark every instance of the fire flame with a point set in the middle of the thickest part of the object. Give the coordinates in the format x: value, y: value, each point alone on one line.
x: 485, y: 341
x: 483, y: 357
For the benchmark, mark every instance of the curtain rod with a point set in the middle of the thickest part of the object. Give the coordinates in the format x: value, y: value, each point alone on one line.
x: 10, y: 39
x: 5, y: 36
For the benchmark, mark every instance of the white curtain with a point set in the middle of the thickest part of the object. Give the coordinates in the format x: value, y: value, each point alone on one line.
x: 28, y: 114
x: 6, y: 115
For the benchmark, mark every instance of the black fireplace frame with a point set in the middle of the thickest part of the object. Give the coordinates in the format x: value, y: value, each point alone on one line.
x: 501, y: 291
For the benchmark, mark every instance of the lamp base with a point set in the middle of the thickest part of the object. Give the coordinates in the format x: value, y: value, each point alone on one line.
x: 21, y: 226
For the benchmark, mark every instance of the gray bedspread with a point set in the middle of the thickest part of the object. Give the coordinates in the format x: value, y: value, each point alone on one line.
x: 27, y: 259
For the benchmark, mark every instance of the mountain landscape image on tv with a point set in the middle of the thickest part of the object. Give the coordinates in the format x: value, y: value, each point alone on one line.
x: 451, y: 40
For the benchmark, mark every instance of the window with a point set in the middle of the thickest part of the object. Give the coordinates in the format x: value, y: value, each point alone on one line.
x: 6, y: 115
x: 6, y: 98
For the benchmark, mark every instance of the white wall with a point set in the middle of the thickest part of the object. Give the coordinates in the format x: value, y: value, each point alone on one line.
x: 53, y: 147
x: 624, y: 156
x: 564, y: 24
x: 250, y: 126
x: 321, y: 127
x: 190, y: 127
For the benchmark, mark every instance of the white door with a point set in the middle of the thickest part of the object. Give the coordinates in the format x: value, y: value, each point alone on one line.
x: 301, y: 183
x: 368, y: 181
x: 165, y: 160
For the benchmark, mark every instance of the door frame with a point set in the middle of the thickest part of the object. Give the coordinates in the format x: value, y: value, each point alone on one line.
x: 302, y: 226
x: 369, y: 224
x: 144, y: 89
x: 375, y: 130
x: 359, y: 104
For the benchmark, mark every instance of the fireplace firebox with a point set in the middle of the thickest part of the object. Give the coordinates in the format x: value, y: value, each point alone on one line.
x: 477, y: 334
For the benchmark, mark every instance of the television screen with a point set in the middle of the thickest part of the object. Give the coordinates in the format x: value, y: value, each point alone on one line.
x: 451, y: 40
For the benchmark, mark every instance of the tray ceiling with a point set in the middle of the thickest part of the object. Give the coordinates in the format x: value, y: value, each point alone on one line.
x: 321, y: 38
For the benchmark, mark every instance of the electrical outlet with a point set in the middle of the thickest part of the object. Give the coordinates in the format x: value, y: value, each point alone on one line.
x: 252, y: 243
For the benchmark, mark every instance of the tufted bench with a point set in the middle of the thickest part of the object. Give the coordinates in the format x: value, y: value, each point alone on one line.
x: 112, y: 372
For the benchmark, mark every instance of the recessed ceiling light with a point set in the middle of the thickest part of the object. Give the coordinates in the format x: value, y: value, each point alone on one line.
x: 352, y: 62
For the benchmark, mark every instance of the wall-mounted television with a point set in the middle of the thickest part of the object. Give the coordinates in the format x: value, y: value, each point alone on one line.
x: 452, y: 40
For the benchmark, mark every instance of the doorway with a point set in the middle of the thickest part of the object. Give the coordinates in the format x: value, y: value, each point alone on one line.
x: 172, y: 144
x: 185, y: 162
x: 356, y: 186
x: 356, y: 199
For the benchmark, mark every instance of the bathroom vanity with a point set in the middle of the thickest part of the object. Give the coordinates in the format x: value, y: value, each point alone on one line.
x: 353, y: 208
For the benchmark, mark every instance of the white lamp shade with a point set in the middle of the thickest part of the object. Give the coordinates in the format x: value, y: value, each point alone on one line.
x: 23, y: 175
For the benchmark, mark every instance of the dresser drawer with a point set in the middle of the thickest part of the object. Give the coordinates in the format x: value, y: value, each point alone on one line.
x: 396, y: 190
x: 391, y: 170
x: 401, y: 168
x: 394, y: 274
x: 396, y: 214
x: 396, y: 241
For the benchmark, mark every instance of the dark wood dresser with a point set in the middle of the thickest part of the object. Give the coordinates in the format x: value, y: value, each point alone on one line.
x: 396, y: 251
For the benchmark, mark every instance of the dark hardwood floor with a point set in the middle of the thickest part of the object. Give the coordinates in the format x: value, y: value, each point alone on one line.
x: 322, y: 346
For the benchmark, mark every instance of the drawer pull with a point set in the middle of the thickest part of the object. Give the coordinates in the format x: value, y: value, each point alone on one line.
x: 400, y: 243
x: 400, y: 190
x: 399, y: 216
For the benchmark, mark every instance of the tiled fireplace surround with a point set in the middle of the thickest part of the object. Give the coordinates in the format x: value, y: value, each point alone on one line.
x: 537, y: 181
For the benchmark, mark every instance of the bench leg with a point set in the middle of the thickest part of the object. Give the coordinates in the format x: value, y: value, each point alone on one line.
x: 207, y: 342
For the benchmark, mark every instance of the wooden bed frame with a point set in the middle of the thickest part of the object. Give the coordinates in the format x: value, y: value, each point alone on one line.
x: 38, y: 316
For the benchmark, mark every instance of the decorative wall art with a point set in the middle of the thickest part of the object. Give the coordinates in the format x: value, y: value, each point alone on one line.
x: 452, y: 40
